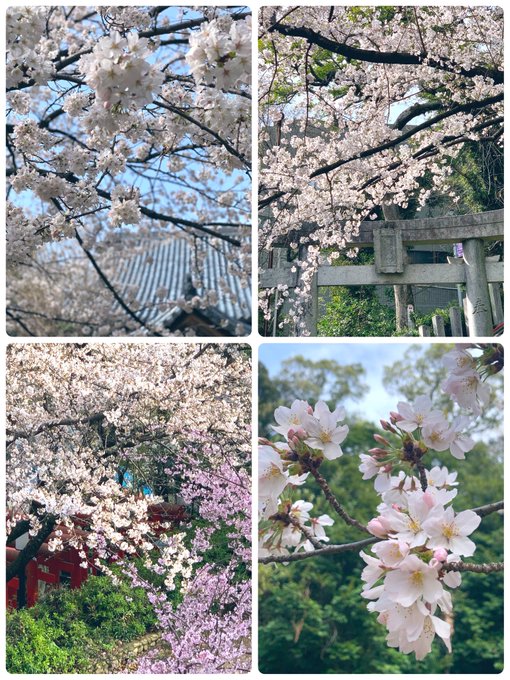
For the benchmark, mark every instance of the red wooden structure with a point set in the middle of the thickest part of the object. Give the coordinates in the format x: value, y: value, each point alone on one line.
x: 50, y: 569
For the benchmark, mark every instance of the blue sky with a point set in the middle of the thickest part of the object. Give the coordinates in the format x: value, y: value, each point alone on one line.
x: 373, y: 356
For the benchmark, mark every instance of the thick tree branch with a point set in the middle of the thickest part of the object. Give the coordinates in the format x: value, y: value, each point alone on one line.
x: 50, y: 424
x: 18, y: 530
x: 31, y: 549
x: 377, y: 57
x: 325, y: 550
x: 484, y: 510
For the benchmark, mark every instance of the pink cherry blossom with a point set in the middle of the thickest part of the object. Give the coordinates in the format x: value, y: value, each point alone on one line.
x: 448, y: 530
x: 414, y: 579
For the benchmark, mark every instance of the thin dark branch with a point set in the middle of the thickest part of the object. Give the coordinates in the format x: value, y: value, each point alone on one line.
x: 111, y: 288
x: 333, y: 501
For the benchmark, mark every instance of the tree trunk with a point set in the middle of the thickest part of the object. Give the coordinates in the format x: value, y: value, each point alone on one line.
x: 17, y: 568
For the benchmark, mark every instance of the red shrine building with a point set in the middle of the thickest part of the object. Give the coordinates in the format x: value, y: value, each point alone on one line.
x: 49, y: 569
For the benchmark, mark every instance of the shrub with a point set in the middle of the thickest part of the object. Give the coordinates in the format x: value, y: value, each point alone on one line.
x: 67, y: 629
x: 32, y: 646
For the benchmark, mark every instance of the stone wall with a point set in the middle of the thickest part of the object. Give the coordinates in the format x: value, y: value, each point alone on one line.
x: 116, y: 660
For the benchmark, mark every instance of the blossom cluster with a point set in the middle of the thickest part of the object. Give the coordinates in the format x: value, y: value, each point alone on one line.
x: 406, y: 580
x: 119, y: 73
x: 311, y: 434
x: 220, y: 53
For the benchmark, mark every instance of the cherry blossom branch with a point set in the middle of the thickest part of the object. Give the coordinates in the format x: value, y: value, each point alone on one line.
x: 204, y: 128
x: 469, y: 107
x: 487, y: 568
x: 377, y: 57
x: 20, y: 322
x: 482, y: 510
x: 111, y: 288
x: 305, y: 531
x: 333, y: 501
x: 324, y: 550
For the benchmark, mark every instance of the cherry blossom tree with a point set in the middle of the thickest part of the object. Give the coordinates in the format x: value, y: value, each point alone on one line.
x: 419, y: 542
x: 365, y: 109
x: 87, y: 425
x: 126, y: 127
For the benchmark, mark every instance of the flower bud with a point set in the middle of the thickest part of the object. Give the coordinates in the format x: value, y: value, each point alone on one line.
x: 440, y: 554
x: 378, y: 527
x: 381, y: 440
x: 429, y: 500
x: 395, y: 417
x: 377, y: 453
x: 386, y: 426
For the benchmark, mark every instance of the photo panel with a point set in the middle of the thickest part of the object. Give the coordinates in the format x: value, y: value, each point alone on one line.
x: 128, y: 171
x: 128, y: 507
x: 380, y: 508
x: 380, y: 170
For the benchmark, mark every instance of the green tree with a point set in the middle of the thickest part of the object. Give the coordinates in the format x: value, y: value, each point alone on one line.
x: 303, y: 378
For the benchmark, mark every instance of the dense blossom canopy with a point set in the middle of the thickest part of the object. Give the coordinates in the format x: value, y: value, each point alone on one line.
x: 97, y: 433
x: 125, y: 124
x: 360, y: 105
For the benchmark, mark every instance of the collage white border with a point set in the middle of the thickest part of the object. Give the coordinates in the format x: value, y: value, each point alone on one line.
x: 254, y: 340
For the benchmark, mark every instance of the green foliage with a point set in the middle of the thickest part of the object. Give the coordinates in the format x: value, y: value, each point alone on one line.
x: 311, y: 616
x: 426, y: 319
x: 33, y: 647
x: 220, y: 553
x: 67, y: 629
x: 356, y: 312
x: 302, y: 378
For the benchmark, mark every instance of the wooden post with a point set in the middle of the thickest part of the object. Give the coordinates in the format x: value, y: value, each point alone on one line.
x: 477, y: 289
x: 438, y: 325
x: 496, y: 304
x: 424, y: 331
x: 456, y: 322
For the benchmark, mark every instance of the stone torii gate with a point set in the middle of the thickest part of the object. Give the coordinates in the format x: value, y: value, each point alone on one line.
x: 389, y: 238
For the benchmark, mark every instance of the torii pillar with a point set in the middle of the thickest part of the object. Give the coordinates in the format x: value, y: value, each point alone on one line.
x: 478, y: 304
